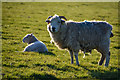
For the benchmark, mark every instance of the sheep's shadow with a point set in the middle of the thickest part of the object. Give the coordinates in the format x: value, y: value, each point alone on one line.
x: 43, y: 77
x: 36, y: 76
x: 95, y: 74
x: 64, y: 68
x: 117, y: 47
x: 106, y: 75
x: 48, y: 53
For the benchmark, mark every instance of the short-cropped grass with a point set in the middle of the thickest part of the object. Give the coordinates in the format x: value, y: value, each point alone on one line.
x: 21, y: 18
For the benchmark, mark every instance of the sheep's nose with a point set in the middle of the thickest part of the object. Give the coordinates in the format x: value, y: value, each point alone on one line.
x: 53, y: 29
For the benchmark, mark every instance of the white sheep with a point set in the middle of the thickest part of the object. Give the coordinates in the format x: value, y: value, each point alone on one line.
x: 85, y: 36
x: 33, y: 44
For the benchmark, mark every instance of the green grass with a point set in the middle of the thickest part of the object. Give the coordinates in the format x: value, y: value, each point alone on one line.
x: 19, y: 19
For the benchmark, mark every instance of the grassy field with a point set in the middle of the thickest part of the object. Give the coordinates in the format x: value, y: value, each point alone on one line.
x: 19, y: 19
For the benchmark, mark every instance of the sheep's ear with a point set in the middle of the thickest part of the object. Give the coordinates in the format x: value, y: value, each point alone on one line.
x: 49, y: 17
x: 62, y: 21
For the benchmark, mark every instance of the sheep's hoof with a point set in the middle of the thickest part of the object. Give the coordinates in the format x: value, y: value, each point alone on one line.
x: 99, y: 64
x: 106, y: 65
x: 78, y: 64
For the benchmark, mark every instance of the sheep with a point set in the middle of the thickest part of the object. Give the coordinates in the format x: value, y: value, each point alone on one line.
x: 86, y: 36
x: 34, y: 45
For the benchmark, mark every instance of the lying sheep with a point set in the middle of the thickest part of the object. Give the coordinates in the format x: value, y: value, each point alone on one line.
x: 33, y: 44
x: 85, y: 36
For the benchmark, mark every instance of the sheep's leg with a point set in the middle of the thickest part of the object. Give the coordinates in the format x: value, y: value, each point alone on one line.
x: 84, y: 55
x: 90, y: 52
x: 107, y: 59
x: 104, y: 50
x: 101, y: 50
x: 102, y: 59
x: 71, y: 55
x: 76, y: 57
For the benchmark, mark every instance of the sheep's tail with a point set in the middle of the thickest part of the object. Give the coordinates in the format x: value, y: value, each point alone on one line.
x: 111, y: 35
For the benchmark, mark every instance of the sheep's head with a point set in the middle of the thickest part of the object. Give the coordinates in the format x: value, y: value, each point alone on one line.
x: 55, y: 22
x: 29, y: 38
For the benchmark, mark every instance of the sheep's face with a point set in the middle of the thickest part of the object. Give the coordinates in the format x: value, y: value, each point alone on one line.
x: 27, y: 38
x: 55, y: 23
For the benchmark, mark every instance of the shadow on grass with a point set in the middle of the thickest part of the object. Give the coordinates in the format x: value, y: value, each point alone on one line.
x: 36, y: 76
x: 63, y: 68
x: 117, y: 47
x: 48, y: 53
x: 96, y: 74
x: 43, y: 77
x: 106, y: 75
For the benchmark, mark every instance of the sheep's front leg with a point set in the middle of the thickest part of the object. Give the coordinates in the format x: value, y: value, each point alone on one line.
x: 71, y: 55
x: 76, y: 57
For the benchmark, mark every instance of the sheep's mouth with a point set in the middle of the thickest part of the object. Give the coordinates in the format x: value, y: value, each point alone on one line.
x: 53, y: 29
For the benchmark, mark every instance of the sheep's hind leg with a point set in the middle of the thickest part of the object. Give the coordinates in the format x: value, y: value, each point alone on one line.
x: 102, y: 56
x: 71, y: 55
x: 107, y: 59
x: 102, y: 59
x: 76, y: 57
x: 104, y: 50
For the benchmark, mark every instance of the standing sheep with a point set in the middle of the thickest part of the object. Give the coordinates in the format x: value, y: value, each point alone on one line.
x: 85, y: 36
x: 33, y: 44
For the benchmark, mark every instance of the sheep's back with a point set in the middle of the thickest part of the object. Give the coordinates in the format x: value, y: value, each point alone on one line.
x: 89, y: 32
x: 89, y: 29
